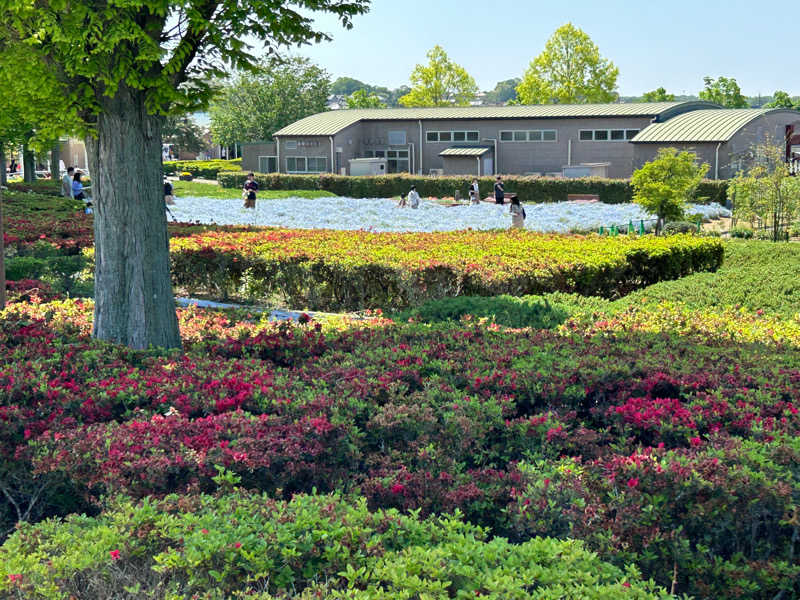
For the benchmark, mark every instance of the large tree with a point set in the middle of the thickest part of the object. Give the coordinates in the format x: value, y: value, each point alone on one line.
x: 569, y: 70
x: 124, y: 65
x: 781, y: 99
x: 658, y: 95
x: 504, y: 91
x: 183, y: 132
x: 440, y: 83
x: 724, y: 91
x: 363, y: 99
x: 254, y: 105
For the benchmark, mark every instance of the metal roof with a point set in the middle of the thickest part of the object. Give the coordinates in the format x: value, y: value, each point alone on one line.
x: 464, y: 151
x: 333, y: 121
x: 708, y: 125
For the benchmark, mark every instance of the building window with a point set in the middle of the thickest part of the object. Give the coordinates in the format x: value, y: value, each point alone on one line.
x: 607, y: 135
x: 397, y: 138
x: 535, y: 135
x: 397, y: 161
x: 291, y: 145
x: 302, y: 164
x: 267, y: 164
x: 452, y: 136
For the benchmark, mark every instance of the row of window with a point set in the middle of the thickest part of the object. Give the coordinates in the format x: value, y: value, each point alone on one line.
x: 606, y: 135
x: 396, y: 160
x: 452, y: 136
x: 535, y: 135
x: 294, y: 144
x: 306, y: 164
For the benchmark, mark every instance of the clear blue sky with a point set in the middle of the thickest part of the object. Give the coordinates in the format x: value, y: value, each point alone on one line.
x: 671, y: 44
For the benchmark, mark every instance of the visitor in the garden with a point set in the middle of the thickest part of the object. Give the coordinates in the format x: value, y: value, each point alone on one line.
x: 66, y: 182
x: 77, y: 187
x: 474, y: 192
x: 402, y: 202
x: 499, y: 191
x: 517, y: 213
x: 169, y: 199
x: 249, y: 191
x: 413, y: 197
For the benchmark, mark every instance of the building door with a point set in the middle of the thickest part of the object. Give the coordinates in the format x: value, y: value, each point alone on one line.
x: 267, y: 164
x: 488, y: 165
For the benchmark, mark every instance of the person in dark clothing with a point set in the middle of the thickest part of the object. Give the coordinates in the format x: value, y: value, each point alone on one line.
x: 169, y: 199
x: 249, y: 191
x: 499, y: 192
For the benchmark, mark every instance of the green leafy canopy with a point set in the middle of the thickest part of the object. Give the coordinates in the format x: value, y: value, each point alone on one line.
x: 440, y: 83
x: 570, y: 70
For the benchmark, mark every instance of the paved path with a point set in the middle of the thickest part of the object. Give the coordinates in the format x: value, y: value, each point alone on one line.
x: 274, y: 315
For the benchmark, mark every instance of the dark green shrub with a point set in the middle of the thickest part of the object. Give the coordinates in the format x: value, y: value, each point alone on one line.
x: 530, y: 189
x: 205, y: 169
x: 680, y: 227
x: 25, y: 267
x: 539, y: 312
x: 744, y: 233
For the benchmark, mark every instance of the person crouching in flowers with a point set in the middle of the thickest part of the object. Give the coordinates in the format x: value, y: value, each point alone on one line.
x: 517, y: 213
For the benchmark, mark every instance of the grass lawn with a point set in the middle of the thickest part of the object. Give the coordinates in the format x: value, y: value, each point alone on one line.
x: 212, y: 190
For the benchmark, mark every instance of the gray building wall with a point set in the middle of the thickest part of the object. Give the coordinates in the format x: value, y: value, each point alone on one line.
x: 512, y: 157
x: 251, y: 152
x: 706, y: 152
x: 732, y: 155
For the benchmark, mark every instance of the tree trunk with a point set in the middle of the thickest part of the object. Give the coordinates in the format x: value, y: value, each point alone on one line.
x: 3, y: 179
x: 55, y: 159
x: 2, y: 254
x: 134, y: 304
x: 28, y: 164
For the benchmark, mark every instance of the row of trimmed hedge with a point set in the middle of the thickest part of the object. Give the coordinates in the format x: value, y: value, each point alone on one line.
x: 205, y: 169
x: 538, y: 189
x: 356, y: 270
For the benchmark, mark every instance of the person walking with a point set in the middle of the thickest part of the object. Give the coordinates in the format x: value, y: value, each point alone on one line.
x: 474, y: 192
x: 169, y: 198
x: 517, y: 214
x: 249, y: 191
x: 413, y: 197
x: 66, y: 182
x: 499, y: 191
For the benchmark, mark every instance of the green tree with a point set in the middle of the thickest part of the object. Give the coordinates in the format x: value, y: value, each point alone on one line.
x: 569, y: 70
x: 664, y: 185
x: 255, y: 105
x: 781, y: 99
x: 440, y: 83
x: 123, y: 66
x: 723, y: 91
x: 766, y: 190
x: 345, y: 86
x: 183, y: 132
x: 363, y: 99
x: 657, y: 95
x: 504, y: 91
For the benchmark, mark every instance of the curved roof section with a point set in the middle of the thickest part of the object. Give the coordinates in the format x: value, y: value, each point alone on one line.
x: 708, y: 125
x: 334, y: 121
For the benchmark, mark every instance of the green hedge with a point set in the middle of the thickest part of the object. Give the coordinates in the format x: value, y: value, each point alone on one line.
x: 530, y: 189
x: 205, y: 169
x: 241, y: 545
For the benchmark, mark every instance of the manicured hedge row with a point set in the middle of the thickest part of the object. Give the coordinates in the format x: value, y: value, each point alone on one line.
x: 530, y: 189
x: 207, y: 547
x: 205, y: 169
x: 48, y: 187
x: 353, y: 270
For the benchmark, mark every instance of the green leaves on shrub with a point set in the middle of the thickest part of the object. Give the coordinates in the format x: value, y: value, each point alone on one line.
x: 313, y: 546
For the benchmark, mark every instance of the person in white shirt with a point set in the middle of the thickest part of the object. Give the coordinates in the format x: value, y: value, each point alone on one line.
x: 413, y: 197
x: 474, y: 192
x: 66, y: 183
